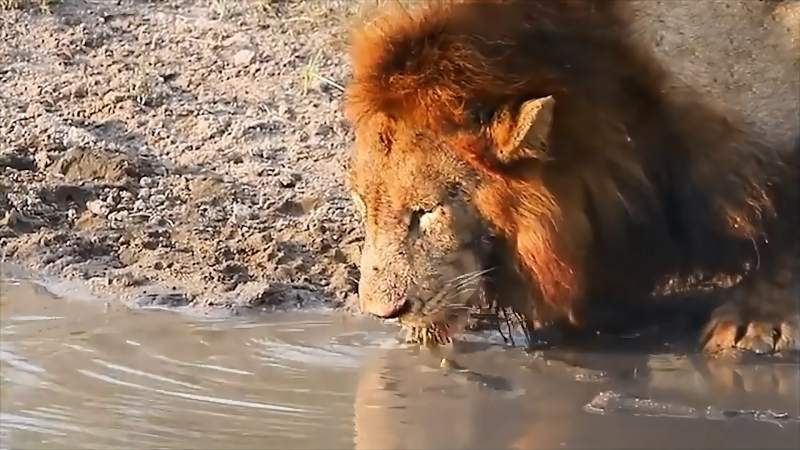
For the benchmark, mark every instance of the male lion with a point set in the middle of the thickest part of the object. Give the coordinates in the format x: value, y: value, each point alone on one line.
x: 526, y: 154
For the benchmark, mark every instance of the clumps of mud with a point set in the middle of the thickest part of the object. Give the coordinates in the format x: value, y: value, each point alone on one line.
x: 612, y: 402
x: 178, y: 156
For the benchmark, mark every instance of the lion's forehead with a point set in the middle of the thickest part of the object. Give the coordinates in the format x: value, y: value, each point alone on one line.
x: 408, y: 170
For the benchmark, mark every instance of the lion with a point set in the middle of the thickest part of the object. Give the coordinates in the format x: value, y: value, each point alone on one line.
x: 528, y: 155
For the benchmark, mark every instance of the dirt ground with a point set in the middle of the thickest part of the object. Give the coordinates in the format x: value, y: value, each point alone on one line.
x: 179, y: 153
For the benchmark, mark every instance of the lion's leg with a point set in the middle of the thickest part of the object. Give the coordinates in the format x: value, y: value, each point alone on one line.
x: 762, y: 315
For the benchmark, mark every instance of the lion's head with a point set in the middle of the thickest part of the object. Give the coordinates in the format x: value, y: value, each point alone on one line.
x: 437, y: 227
x: 423, y: 254
x: 448, y: 171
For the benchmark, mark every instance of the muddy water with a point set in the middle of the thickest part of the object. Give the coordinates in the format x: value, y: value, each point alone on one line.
x: 81, y: 373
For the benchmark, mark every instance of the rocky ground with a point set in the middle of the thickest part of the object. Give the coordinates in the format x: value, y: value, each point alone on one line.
x: 179, y: 153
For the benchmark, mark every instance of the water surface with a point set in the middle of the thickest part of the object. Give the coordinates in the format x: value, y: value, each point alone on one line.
x: 84, y: 373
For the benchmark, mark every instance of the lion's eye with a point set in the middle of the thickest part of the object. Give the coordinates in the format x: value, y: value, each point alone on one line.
x: 420, y: 219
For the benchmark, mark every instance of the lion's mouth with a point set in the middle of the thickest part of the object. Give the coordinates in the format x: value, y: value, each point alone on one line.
x: 434, y: 321
x: 434, y: 329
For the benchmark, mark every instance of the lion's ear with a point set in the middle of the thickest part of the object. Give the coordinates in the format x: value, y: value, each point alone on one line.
x: 523, y: 132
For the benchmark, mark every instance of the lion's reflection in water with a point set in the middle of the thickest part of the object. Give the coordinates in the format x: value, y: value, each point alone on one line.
x: 508, y: 399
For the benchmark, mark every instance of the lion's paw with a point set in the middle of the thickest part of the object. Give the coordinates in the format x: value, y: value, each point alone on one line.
x: 727, y: 331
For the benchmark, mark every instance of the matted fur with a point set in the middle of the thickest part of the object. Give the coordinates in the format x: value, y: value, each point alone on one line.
x: 641, y: 183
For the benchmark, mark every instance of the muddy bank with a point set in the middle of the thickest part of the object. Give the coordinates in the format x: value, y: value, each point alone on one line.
x: 179, y: 153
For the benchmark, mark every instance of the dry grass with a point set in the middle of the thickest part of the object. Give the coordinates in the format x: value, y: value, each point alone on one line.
x: 311, y: 73
x: 222, y: 9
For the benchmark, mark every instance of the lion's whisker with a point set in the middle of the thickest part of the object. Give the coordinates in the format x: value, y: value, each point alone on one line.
x: 470, y: 275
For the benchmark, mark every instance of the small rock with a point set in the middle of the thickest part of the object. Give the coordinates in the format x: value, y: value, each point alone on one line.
x: 119, y: 216
x: 287, y: 180
x: 241, y: 213
x: 125, y: 280
x: 42, y: 160
x: 77, y: 90
x: 258, y: 241
x: 76, y: 137
x: 158, y: 199
x: 35, y: 109
x: 112, y: 198
x: 98, y: 208
x: 162, y: 300
x: 244, y: 57
x: 113, y: 97
x: 80, y: 164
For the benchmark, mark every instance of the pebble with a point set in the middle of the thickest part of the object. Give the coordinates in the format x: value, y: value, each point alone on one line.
x: 78, y: 90
x: 42, y: 159
x: 244, y: 57
x: 241, y: 213
x: 158, y: 199
x: 97, y: 207
x: 287, y: 180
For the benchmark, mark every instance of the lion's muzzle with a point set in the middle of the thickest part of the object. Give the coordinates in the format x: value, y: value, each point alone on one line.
x: 383, y: 287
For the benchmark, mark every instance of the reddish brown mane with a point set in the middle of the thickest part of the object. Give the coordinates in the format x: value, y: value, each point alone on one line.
x: 625, y: 158
x: 431, y: 65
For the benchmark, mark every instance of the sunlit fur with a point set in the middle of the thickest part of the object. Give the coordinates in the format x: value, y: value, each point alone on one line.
x: 643, y: 182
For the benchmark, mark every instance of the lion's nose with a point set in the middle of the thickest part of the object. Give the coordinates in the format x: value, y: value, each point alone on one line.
x: 385, y: 310
x: 379, y: 291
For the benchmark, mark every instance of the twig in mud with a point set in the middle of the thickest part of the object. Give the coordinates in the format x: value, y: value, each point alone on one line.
x: 298, y: 19
x: 3, y: 262
x: 202, y: 41
x: 272, y: 114
x: 500, y: 327
x: 508, y: 325
x: 525, y: 328
x: 329, y: 82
